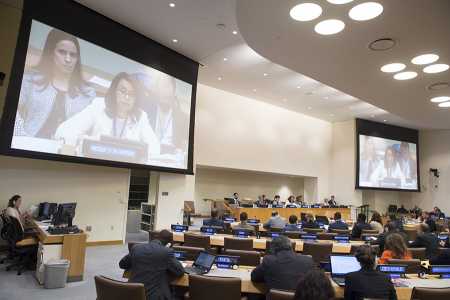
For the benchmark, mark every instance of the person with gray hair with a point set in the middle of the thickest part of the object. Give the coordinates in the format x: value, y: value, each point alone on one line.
x: 282, y: 268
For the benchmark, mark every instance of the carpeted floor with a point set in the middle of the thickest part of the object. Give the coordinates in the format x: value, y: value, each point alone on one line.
x: 100, y: 260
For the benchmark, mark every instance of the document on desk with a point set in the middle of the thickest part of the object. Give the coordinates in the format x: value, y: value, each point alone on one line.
x: 242, y: 274
x: 427, y: 283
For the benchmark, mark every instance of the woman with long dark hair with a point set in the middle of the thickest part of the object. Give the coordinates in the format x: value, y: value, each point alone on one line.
x: 118, y: 116
x: 54, y: 90
x: 13, y: 210
x: 376, y: 223
x: 394, y: 247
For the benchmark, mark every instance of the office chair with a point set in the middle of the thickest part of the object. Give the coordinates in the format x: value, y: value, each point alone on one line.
x: 326, y: 235
x: 370, y: 231
x: 22, y: 251
x: 320, y: 252
x: 237, y: 244
x: 217, y: 288
x: 313, y: 230
x: 292, y: 234
x: 341, y: 231
x: 430, y: 293
x: 195, y: 240
x: 246, y: 258
x: 418, y: 253
x: 411, y: 234
x: 108, y: 289
x: 280, y: 295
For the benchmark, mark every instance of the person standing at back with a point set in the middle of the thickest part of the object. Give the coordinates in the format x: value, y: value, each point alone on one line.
x: 283, y: 268
x: 360, y: 226
x: 367, y: 282
x: 427, y: 240
x: 338, y: 223
x: 154, y: 265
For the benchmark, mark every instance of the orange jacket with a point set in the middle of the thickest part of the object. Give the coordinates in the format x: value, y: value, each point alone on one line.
x: 388, y: 254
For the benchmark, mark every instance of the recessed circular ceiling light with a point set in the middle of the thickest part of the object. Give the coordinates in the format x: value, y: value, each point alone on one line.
x: 172, y: 4
x: 175, y: 40
x: 298, y: 86
x: 393, y: 68
x: 254, y: 90
x: 234, y: 32
x: 384, y: 120
x: 440, y: 99
x: 305, y: 12
x: 444, y: 104
x: 225, y: 59
x: 265, y: 74
x: 382, y: 44
x: 438, y: 86
x: 328, y: 27
x: 339, y: 1
x: 436, y: 68
x: 219, y: 78
x: 425, y: 59
x: 405, y: 75
x: 365, y: 11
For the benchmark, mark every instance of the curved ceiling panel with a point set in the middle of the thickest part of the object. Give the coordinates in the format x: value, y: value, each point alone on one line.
x: 344, y: 60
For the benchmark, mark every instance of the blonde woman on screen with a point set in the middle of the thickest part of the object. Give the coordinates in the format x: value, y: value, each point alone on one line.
x: 117, y: 116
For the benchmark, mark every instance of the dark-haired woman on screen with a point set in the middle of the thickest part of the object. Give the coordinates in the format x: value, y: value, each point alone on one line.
x: 117, y: 115
x: 54, y: 90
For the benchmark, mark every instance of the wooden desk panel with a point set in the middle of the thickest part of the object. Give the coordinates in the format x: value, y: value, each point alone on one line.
x: 217, y: 240
x: 264, y: 214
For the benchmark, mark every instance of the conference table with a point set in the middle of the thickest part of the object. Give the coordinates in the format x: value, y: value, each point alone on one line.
x: 217, y: 240
x: 247, y: 286
x: 264, y: 214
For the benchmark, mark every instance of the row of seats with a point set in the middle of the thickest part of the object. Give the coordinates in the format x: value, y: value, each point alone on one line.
x: 202, y: 287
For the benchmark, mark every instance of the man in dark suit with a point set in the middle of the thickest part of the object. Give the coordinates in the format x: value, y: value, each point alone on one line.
x: 283, y: 269
x: 360, y: 226
x: 338, y: 223
x: 367, y: 282
x: 427, y: 240
x: 154, y: 265
x: 214, y: 221
x: 390, y: 228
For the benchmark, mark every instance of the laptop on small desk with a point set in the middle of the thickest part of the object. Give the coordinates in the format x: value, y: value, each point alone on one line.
x: 202, y: 264
x: 341, y: 266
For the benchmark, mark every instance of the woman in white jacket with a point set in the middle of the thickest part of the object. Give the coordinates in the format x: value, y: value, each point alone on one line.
x: 118, y: 116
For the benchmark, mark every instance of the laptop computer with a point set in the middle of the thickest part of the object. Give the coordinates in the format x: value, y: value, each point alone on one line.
x: 341, y: 266
x: 202, y: 264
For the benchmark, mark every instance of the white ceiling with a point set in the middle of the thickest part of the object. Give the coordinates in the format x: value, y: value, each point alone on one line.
x: 290, y: 51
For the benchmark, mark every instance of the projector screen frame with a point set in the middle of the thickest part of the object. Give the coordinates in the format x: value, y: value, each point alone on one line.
x: 392, y: 132
x: 65, y: 15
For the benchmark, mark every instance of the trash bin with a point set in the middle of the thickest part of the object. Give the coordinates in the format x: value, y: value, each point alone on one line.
x: 55, y: 273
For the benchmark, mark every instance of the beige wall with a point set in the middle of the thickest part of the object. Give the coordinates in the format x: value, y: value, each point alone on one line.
x: 241, y: 133
x: 101, y: 193
x: 220, y: 183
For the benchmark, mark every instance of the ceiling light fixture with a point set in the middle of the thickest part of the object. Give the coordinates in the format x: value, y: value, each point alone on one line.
x: 393, y: 68
x: 382, y: 44
x: 425, y: 59
x: 298, y: 86
x: 175, y: 40
x: 436, y: 68
x: 365, y: 11
x: 384, y: 120
x: 265, y: 74
x: 254, y: 90
x: 328, y: 27
x: 219, y: 78
x: 444, y: 104
x: 234, y: 32
x: 172, y: 4
x: 440, y: 99
x: 339, y: 1
x: 225, y: 59
x: 305, y: 12
x: 405, y: 75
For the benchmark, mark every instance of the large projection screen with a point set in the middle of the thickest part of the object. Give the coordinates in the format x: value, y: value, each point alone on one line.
x: 81, y: 102
x: 387, y: 157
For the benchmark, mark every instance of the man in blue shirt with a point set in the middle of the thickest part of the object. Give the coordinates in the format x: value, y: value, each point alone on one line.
x: 292, y: 226
x: 214, y: 221
x: 338, y: 223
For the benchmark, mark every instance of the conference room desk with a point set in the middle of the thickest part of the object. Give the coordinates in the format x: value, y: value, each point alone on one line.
x: 61, y: 246
x: 264, y: 214
x: 217, y: 240
x: 247, y: 286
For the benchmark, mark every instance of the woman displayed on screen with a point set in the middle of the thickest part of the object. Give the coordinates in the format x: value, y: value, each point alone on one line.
x: 54, y: 90
x: 117, y: 116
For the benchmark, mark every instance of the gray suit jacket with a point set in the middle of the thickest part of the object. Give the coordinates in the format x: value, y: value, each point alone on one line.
x: 36, y: 103
x: 153, y: 265
x: 275, y: 222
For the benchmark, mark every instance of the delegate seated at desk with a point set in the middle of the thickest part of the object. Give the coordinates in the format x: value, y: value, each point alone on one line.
x: 243, y: 223
x: 338, y: 223
x: 214, y: 220
x: 13, y: 211
x: 292, y: 226
x: 275, y: 221
x: 310, y: 222
x: 153, y: 264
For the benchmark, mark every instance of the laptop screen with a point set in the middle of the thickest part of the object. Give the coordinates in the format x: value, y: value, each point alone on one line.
x: 205, y: 260
x: 179, y: 255
x: 341, y: 265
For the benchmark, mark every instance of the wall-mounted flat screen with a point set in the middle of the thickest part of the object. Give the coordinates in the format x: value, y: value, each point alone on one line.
x: 387, y: 163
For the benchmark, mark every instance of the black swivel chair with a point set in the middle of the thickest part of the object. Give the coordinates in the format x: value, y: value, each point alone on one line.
x: 22, y: 251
